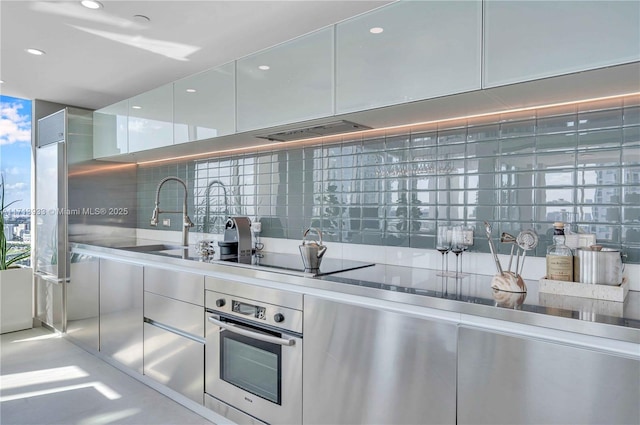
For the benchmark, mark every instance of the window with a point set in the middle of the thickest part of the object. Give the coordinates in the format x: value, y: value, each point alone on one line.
x: 15, y: 167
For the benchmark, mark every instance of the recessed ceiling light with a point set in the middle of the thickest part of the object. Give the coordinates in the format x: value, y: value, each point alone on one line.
x: 264, y: 67
x: 91, y: 4
x: 136, y: 107
x: 36, y: 52
x: 376, y: 30
x: 191, y: 90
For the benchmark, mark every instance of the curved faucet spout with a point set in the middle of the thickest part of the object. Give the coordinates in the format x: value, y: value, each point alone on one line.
x: 186, y: 221
x: 207, y: 211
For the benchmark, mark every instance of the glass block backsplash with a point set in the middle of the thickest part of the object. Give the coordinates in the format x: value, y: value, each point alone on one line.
x: 579, y: 164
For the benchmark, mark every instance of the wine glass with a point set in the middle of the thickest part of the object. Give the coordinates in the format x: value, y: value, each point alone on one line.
x: 443, y: 245
x: 457, y: 245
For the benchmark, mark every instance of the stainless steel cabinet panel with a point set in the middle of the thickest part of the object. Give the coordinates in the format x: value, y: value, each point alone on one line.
x: 174, y: 361
x: 366, y: 365
x: 231, y: 413
x: 83, y: 308
x: 52, y: 129
x: 182, y: 286
x: 121, y: 320
x: 252, y: 292
x: 506, y: 379
x: 176, y: 314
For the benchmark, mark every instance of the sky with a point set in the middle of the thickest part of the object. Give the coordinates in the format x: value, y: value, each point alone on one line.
x: 15, y: 150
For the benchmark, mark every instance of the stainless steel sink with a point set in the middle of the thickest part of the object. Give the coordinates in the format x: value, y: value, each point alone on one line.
x: 154, y: 248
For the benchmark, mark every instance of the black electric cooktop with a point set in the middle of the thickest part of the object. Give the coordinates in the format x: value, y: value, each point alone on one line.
x: 273, y: 261
x: 293, y: 262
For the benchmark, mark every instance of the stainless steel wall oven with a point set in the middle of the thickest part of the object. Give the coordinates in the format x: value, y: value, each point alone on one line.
x: 253, y: 359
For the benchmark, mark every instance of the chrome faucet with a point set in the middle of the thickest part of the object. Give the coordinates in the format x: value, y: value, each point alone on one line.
x: 186, y: 221
x: 207, y: 211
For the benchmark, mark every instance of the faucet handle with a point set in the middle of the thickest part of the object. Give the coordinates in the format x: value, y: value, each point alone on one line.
x: 154, y: 217
x: 187, y: 221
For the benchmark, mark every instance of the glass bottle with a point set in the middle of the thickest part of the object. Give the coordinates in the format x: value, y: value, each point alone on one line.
x: 559, y: 256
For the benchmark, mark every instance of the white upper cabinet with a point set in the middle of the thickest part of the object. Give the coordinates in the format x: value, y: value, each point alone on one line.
x: 408, y: 51
x: 528, y: 40
x: 287, y: 83
x: 151, y: 119
x: 110, y: 130
x: 205, y: 105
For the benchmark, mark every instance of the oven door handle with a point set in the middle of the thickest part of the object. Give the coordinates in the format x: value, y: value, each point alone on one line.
x: 254, y: 335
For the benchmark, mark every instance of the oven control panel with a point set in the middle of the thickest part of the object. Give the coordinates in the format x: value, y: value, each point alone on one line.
x: 257, y: 311
x: 250, y: 310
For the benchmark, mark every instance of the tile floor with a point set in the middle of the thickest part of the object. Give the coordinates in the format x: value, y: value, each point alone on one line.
x: 45, y: 379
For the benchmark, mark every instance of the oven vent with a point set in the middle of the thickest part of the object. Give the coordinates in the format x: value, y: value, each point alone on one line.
x: 327, y: 129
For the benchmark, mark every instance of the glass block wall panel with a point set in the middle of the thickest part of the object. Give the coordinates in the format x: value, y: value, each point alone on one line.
x: 579, y: 164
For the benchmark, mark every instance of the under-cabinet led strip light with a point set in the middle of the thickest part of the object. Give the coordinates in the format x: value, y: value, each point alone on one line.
x: 383, y: 129
x: 100, y: 169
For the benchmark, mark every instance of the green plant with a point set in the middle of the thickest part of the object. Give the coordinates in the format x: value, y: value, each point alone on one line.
x: 8, y: 258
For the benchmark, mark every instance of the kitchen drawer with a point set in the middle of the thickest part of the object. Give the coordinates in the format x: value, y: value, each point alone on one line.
x: 182, y: 316
x: 174, y: 361
x: 182, y: 286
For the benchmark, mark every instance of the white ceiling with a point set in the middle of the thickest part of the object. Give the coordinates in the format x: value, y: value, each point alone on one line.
x: 97, y: 57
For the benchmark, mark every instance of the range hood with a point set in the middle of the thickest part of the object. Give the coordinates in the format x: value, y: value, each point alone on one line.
x: 328, y: 129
